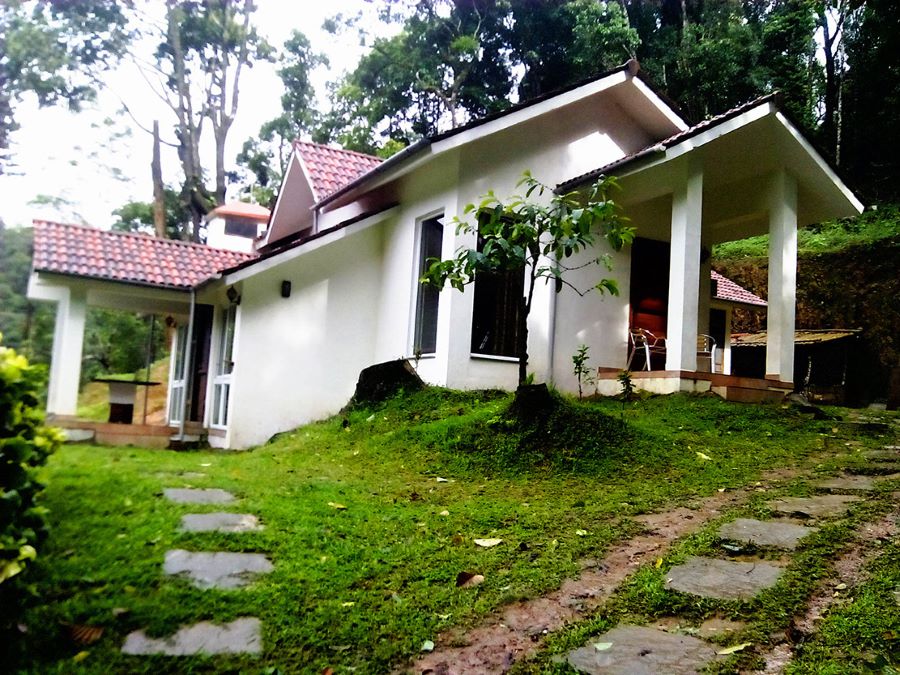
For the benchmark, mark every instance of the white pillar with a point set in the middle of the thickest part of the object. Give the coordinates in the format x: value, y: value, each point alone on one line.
x: 65, y: 363
x: 782, y: 277
x: 684, y: 270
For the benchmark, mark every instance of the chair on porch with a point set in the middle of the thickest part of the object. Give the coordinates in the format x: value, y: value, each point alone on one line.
x: 706, y: 351
x: 648, y: 343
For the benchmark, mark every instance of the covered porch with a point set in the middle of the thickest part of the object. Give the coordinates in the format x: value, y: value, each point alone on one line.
x: 78, y: 267
x: 745, y: 173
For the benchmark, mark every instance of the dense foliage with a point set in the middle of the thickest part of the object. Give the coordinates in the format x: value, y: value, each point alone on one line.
x: 25, y: 444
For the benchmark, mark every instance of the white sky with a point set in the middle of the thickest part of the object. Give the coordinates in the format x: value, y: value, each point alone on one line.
x: 71, y: 155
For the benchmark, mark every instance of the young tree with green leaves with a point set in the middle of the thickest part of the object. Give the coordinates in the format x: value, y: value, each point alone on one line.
x: 537, y: 234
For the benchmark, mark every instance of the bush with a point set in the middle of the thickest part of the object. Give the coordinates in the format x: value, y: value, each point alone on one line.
x: 25, y: 444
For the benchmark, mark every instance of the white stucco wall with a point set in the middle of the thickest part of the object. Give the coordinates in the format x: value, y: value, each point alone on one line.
x: 297, y: 359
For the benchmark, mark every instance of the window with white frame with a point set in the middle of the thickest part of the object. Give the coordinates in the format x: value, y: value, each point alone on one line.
x: 224, y: 367
x: 431, y: 236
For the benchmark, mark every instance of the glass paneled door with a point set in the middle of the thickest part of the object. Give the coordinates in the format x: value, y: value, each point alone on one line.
x: 178, y: 376
x: 224, y: 366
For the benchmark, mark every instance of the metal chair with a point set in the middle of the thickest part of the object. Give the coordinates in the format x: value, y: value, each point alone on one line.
x: 643, y: 340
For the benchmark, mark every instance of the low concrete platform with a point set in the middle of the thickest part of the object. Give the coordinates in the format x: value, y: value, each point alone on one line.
x: 638, y: 650
x: 722, y: 579
x: 241, y: 636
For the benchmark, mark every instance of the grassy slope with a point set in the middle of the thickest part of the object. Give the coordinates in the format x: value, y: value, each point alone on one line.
x: 826, y: 237
x: 365, y: 586
x: 93, y: 400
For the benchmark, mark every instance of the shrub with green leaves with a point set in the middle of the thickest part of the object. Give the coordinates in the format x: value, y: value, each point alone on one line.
x: 25, y: 444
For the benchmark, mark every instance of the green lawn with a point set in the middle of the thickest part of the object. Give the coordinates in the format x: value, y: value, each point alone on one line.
x: 363, y: 587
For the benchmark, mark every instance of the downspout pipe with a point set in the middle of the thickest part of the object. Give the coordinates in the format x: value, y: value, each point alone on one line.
x: 188, y: 375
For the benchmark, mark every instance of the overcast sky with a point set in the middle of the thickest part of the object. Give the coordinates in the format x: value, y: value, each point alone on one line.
x: 75, y: 156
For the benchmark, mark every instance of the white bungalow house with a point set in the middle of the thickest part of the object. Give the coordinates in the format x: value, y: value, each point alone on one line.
x: 279, y: 338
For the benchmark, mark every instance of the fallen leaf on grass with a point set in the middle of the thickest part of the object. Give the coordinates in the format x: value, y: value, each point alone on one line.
x: 658, y: 564
x: 442, y: 480
x: 85, y: 635
x: 487, y: 543
x: 602, y: 646
x: 581, y: 533
x: 428, y: 646
x: 705, y: 458
x: 445, y: 512
x: 80, y: 656
x: 468, y: 579
x: 733, y: 650
x: 347, y: 604
x: 371, y: 418
x: 339, y: 507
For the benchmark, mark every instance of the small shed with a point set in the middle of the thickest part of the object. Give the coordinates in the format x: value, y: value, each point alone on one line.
x: 827, y: 362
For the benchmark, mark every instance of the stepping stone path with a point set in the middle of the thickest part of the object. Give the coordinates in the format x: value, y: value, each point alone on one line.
x: 822, y: 506
x: 208, y: 569
x: 723, y: 579
x: 759, y: 533
x: 198, y: 496
x: 637, y: 650
x: 219, y: 522
x: 216, y: 570
x: 644, y: 650
x: 242, y: 636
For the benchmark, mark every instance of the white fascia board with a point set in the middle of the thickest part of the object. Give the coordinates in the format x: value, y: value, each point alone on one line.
x: 660, y: 105
x: 717, y: 131
x: 325, y: 239
x: 820, y: 162
x: 284, y: 182
x: 531, y: 111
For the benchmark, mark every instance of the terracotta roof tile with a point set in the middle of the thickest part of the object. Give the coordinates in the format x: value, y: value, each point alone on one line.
x: 126, y: 257
x: 729, y: 291
x: 330, y: 169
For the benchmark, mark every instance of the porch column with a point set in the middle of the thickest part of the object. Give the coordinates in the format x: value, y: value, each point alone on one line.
x: 684, y: 270
x: 65, y: 362
x: 782, y: 277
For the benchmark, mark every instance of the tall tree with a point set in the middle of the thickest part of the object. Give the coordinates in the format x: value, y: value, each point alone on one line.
x: 871, y: 100
x: 266, y: 155
x: 204, y: 48
x: 55, y: 51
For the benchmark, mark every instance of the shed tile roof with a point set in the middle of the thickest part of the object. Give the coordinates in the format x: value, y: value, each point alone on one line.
x: 729, y: 291
x: 801, y: 337
x: 330, y: 168
x: 77, y: 250
x: 241, y: 209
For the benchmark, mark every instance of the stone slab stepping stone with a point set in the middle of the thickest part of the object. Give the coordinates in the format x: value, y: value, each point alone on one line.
x: 723, y: 579
x: 637, y: 650
x: 198, y: 496
x: 219, y: 522
x: 216, y: 570
x: 814, y: 507
x: 864, y: 483
x: 768, y: 533
x: 241, y: 636
x: 882, y: 455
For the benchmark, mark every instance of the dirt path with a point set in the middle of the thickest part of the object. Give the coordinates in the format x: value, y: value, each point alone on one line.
x: 516, y: 632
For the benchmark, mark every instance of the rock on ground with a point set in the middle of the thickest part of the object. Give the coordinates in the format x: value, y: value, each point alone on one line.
x: 216, y: 570
x: 637, y: 650
x: 724, y: 579
x: 241, y: 636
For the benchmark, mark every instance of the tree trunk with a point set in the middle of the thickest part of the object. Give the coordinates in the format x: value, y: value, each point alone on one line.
x: 159, y: 196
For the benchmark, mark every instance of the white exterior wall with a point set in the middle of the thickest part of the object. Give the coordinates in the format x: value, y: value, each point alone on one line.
x: 297, y: 359
x: 589, y: 134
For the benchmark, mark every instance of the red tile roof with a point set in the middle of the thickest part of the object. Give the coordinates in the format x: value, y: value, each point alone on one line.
x: 729, y: 291
x: 330, y: 169
x: 241, y: 209
x: 125, y: 257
